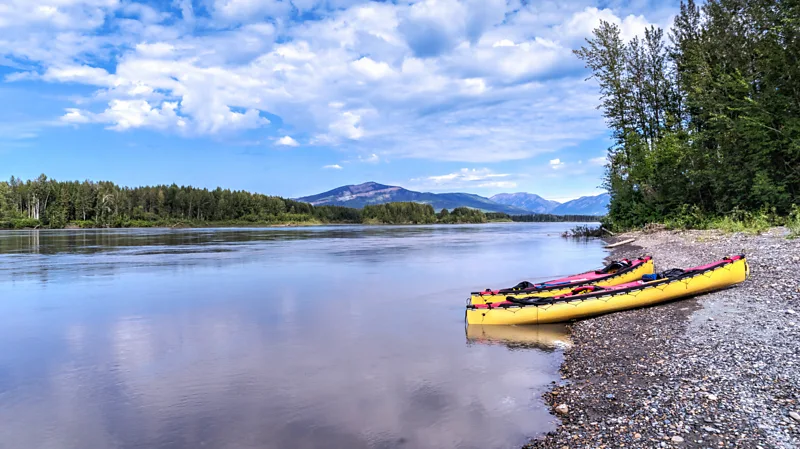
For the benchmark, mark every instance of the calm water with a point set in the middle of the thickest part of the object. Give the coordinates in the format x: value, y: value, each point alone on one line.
x: 337, y: 337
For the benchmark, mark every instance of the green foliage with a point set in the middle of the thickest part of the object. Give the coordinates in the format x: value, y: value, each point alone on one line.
x: 48, y: 203
x: 583, y: 231
x: 498, y: 217
x: 19, y: 223
x: 706, y: 130
x: 463, y: 215
x: 744, y: 221
x: 793, y: 222
x: 337, y: 214
x: 399, y: 213
x: 735, y: 221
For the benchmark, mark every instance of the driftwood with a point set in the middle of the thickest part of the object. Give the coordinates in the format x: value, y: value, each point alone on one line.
x: 614, y: 245
x: 606, y: 230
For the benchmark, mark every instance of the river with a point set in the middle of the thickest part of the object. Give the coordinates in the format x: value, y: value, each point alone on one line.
x: 324, y: 337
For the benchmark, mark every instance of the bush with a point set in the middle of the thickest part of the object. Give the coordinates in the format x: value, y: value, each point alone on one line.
x: 583, y: 231
x: 747, y: 222
x: 793, y: 222
x: 19, y: 223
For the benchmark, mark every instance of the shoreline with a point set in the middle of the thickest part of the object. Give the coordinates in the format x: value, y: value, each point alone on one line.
x: 269, y: 225
x: 717, y: 370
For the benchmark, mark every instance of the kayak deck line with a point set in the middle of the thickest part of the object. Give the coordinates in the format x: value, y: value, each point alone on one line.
x: 583, y: 304
x: 616, y: 272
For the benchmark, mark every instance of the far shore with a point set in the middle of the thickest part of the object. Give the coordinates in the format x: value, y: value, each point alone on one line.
x: 72, y: 227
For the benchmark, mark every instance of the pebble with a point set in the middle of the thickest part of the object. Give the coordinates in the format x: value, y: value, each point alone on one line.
x: 661, y: 364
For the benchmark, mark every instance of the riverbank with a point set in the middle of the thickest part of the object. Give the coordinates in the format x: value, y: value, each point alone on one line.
x: 719, y: 370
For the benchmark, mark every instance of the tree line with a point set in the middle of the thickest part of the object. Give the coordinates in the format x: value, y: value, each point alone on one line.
x: 47, y: 203
x: 541, y: 218
x: 705, y: 119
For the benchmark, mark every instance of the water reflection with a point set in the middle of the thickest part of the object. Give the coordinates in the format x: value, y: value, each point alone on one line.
x: 342, y: 339
x: 542, y: 336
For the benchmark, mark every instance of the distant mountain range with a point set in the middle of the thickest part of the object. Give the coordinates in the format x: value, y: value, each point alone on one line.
x: 586, y: 205
x: 527, y: 201
x: 369, y: 193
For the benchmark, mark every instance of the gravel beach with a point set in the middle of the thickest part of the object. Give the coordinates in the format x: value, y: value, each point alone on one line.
x: 718, y: 371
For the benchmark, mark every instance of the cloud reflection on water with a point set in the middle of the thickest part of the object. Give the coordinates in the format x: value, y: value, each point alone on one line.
x: 273, y: 351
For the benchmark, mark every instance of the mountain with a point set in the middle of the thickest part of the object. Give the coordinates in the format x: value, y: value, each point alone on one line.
x: 527, y: 201
x: 585, y: 205
x: 369, y: 193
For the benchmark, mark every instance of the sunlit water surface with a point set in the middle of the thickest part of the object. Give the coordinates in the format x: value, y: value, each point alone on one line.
x: 328, y: 337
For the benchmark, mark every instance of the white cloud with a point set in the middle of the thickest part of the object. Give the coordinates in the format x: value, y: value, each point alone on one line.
x: 465, y: 178
x: 60, y: 14
x: 598, y: 160
x: 371, y: 159
x: 581, y: 25
x: 79, y: 74
x: 126, y: 114
x: 75, y: 116
x: 249, y: 10
x: 498, y: 185
x: 348, y: 125
x: 372, y: 69
x: 459, y: 80
x: 287, y: 141
x: 333, y: 167
x: 504, y: 43
x: 556, y: 164
x: 146, y: 14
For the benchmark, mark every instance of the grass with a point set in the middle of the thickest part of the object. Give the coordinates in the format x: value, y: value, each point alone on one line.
x: 793, y: 223
x: 733, y: 222
x: 750, y: 224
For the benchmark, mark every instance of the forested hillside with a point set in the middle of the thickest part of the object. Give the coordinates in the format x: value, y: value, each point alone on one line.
x: 705, y: 119
x: 49, y: 203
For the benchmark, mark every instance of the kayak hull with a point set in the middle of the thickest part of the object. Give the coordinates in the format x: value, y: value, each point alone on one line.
x: 643, y: 266
x: 639, y: 294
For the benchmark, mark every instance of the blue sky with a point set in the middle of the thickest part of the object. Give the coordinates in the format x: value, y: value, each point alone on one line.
x: 297, y: 97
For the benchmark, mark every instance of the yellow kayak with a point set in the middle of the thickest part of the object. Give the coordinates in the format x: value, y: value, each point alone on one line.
x: 617, y: 272
x: 591, y: 300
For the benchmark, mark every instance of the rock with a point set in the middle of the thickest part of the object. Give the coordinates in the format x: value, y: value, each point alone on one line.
x: 723, y: 377
x: 562, y: 409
